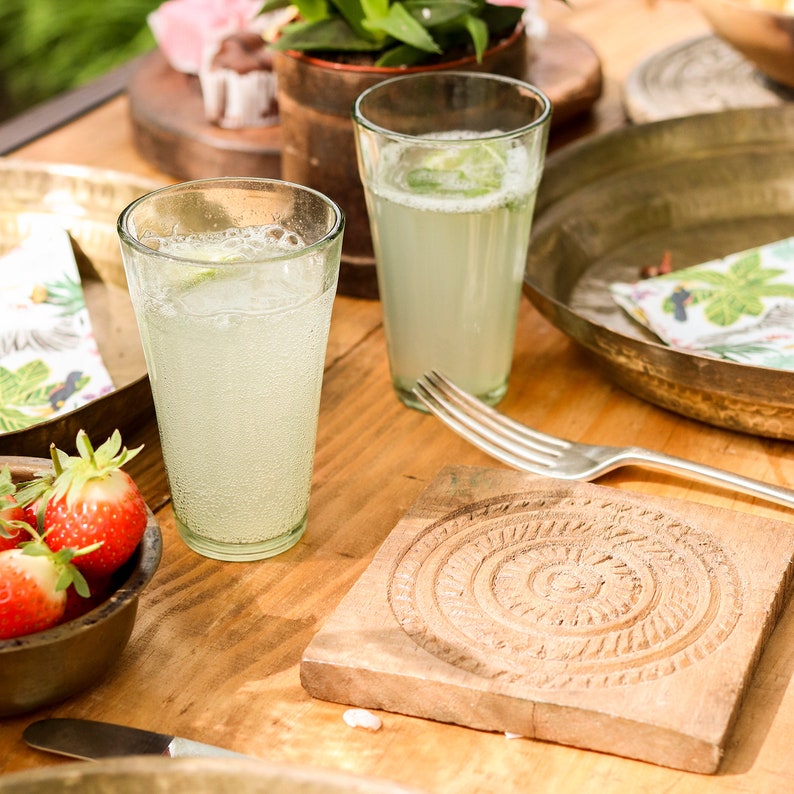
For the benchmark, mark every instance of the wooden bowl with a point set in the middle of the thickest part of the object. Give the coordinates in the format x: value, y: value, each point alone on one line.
x: 759, y: 29
x: 150, y: 775
x: 49, y: 666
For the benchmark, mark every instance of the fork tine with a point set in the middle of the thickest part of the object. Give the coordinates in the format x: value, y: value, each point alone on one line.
x: 524, y: 435
x: 568, y: 461
x: 488, y: 436
x: 459, y: 423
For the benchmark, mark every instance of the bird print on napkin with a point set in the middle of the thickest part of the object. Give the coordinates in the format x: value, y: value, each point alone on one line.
x: 739, y: 308
x: 49, y: 360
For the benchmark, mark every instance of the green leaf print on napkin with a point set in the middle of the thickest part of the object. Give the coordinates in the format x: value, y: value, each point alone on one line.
x: 737, y: 292
x: 66, y: 293
x: 27, y: 388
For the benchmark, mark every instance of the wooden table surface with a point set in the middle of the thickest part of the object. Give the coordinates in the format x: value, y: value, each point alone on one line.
x: 216, y: 649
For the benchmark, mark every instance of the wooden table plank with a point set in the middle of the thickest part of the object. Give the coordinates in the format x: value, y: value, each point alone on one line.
x: 215, y: 653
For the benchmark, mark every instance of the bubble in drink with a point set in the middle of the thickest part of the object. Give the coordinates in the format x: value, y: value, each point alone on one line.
x: 248, y: 244
x: 452, y: 227
x: 236, y: 373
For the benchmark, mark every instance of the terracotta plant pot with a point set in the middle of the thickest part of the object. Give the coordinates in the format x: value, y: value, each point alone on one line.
x: 318, y: 145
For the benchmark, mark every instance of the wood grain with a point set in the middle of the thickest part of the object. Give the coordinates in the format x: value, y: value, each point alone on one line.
x: 216, y: 650
x: 568, y: 612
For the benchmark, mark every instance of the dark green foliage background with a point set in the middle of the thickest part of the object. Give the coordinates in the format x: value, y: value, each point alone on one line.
x: 48, y: 46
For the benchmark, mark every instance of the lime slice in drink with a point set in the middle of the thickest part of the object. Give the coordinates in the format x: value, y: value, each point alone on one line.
x: 465, y: 170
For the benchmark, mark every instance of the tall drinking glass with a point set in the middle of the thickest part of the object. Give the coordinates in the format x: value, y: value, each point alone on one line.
x: 450, y: 163
x: 232, y: 281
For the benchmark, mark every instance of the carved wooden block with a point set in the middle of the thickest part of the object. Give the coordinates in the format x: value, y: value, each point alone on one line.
x: 567, y: 612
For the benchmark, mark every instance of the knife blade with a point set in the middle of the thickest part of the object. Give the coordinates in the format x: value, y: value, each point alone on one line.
x: 90, y: 740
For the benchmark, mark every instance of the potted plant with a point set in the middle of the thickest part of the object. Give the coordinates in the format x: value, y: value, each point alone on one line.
x: 395, y: 33
x: 334, y: 49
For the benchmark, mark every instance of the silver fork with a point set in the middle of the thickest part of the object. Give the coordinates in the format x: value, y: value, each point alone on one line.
x: 530, y: 450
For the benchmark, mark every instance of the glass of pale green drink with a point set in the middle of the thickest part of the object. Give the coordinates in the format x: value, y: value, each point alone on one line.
x: 450, y: 163
x: 232, y: 281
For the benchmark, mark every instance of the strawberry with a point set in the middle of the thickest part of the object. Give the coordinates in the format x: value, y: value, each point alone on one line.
x: 33, y: 582
x: 14, y: 528
x: 94, y: 502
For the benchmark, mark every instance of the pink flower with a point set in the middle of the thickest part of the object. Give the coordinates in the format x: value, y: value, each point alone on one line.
x: 184, y: 28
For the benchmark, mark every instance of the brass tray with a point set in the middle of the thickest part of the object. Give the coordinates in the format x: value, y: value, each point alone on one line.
x: 699, y: 187
x: 86, y: 202
x: 153, y: 774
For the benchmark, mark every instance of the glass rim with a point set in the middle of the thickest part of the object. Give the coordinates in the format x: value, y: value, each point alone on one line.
x: 545, y: 104
x: 134, y: 242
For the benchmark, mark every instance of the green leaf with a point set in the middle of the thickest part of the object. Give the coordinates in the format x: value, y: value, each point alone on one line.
x: 354, y: 12
x: 275, y: 5
x: 746, y: 266
x: 372, y: 9
x: 708, y: 277
x: 402, y: 26
x: 478, y: 31
x: 328, y: 34
x: 65, y: 578
x: 735, y: 293
x: 776, y: 291
x: 312, y: 10
x: 439, y: 12
x: 80, y: 584
x: 726, y: 308
x: 11, y: 419
x: 402, y: 55
x: 7, y: 487
x: 68, y: 294
x: 34, y: 548
x: 17, y: 385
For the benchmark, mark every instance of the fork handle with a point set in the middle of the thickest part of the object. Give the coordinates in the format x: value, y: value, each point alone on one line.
x: 658, y: 460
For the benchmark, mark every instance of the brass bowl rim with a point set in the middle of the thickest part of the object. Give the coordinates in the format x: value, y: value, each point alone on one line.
x: 141, y: 768
x: 18, y: 441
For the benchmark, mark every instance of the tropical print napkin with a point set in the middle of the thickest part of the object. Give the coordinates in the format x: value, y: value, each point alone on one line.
x: 49, y: 361
x: 739, y: 308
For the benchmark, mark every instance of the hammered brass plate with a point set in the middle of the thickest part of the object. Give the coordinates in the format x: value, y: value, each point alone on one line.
x: 87, y: 203
x: 156, y: 775
x: 699, y: 187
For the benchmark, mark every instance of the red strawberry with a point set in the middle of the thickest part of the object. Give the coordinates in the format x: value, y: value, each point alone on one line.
x: 33, y: 582
x: 14, y: 528
x: 94, y: 502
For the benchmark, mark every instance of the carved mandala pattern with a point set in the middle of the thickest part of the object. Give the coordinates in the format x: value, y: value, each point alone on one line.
x: 703, y: 74
x: 530, y: 590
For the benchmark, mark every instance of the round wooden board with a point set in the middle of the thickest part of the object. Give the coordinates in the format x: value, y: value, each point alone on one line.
x: 698, y: 75
x: 170, y: 131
